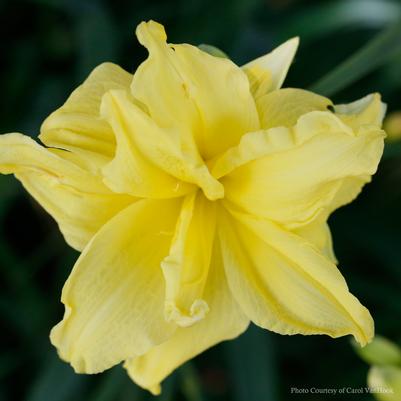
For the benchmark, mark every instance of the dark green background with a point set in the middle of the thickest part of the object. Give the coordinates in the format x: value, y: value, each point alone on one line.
x: 47, y: 48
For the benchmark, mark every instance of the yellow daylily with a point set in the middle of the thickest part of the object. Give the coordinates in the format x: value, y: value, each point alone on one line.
x: 198, y: 193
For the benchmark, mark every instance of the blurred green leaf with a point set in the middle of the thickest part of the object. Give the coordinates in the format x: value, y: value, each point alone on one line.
x: 251, y: 361
x: 189, y: 382
x: 380, y: 351
x: 375, y: 53
x: 387, y: 378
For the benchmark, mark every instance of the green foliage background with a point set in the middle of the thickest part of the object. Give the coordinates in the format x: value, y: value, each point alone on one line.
x: 49, y: 46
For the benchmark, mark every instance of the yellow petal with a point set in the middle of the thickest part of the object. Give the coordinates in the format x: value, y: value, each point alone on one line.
x: 186, y: 267
x: 285, y: 285
x: 114, y: 296
x: 294, y: 176
x: 77, y: 126
x: 369, y: 110
x: 224, y: 321
x: 75, y: 198
x: 283, y: 107
x: 205, y: 98
x: 149, y: 162
x: 267, y: 73
x: 318, y: 233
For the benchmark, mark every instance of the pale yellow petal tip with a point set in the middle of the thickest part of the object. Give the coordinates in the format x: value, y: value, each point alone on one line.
x: 64, y: 350
x: 365, y: 330
x: 293, y: 43
x: 197, y: 312
x: 369, y: 110
x: 283, y: 57
x: 287, y: 50
x: 155, y: 389
x: 214, y: 190
x: 146, y: 32
x: 137, y: 378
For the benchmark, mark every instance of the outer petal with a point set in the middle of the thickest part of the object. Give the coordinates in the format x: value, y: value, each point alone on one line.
x: 206, y: 98
x: 74, y: 197
x: 149, y: 161
x: 76, y: 125
x: 285, y: 285
x: 284, y: 107
x: 224, y: 321
x: 369, y: 110
x: 318, y: 233
x: 186, y: 267
x: 114, y: 295
x: 293, y: 176
x: 267, y: 73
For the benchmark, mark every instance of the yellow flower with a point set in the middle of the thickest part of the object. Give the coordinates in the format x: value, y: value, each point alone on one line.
x: 198, y: 193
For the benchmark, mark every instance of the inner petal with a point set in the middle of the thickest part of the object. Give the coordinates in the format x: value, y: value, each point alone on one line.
x: 186, y: 268
x: 206, y: 98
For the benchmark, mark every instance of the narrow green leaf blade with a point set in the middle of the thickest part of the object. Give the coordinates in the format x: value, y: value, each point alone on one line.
x: 375, y: 53
x: 189, y: 382
x: 252, y: 366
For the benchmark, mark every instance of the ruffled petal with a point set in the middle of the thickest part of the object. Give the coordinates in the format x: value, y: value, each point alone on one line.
x: 73, y: 196
x: 284, y: 107
x: 205, y: 98
x: 149, y: 161
x: 284, y: 284
x: 318, y: 233
x: 224, y: 321
x: 77, y: 126
x: 369, y: 110
x: 114, y: 296
x: 296, y: 175
x: 186, y: 267
x: 267, y: 73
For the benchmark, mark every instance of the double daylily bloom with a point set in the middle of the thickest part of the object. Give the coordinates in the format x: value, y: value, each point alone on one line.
x: 198, y: 193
